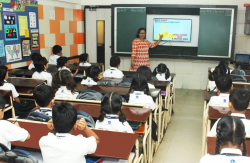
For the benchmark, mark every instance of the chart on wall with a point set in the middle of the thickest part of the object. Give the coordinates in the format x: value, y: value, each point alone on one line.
x: 19, y: 30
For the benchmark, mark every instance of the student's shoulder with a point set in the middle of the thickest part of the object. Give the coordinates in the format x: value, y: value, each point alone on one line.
x: 9, y: 85
x: 4, y: 123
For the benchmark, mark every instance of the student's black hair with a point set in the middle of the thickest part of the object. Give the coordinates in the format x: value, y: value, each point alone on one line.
x: 139, y: 30
x: 61, y: 61
x: 146, y: 71
x: 224, y: 66
x: 63, y: 78
x: 111, y: 104
x: 83, y: 57
x: 43, y: 94
x: 162, y: 68
x: 138, y: 83
x: 230, y: 129
x: 2, y: 102
x: 223, y: 83
x: 240, y: 98
x: 3, y: 72
x: 114, y: 61
x: 64, y: 117
x: 35, y: 56
x: 217, y: 72
x: 93, y: 72
x: 40, y: 63
x: 56, y: 49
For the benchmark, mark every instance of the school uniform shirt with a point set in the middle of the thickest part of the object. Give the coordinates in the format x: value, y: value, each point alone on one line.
x: 43, y: 75
x: 31, y: 66
x: 66, y: 148
x: 151, y: 86
x: 63, y: 68
x: 113, y: 72
x: 53, y: 59
x: 211, y: 85
x: 10, y: 132
x: 227, y: 155
x: 161, y: 77
x: 63, y: 92
x: 85, y: 64
x: 221, y: 100
x: 9, y: 86
x: 47, y: 111
x: 111, y: 122
x: 242, y: 117
x: 138, y: 97
x: 88, y: 81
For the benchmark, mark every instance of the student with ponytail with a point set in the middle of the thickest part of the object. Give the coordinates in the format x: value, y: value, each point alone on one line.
x: 111, y: 116
x: 212, y: 76
x: 146, y: 71
x: 92, y: 76
x: 229, y: 139
x: 162, y: 72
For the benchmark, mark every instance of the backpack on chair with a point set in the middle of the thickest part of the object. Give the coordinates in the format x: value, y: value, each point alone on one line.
x: 107, y: 83
x: 238, y: 78
x: 38, y: 116
x: 89, y: 120
x: 90, y: 95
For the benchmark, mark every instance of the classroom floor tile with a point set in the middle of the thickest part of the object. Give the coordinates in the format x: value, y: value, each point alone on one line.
x: 183, y: 135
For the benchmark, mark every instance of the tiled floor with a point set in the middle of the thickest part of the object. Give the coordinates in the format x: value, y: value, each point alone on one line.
x: 182, y: 141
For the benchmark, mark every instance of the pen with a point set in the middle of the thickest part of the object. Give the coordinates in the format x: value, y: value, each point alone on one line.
x: 15, y: 121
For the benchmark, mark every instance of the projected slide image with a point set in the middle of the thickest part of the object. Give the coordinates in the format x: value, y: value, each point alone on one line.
x: 173, y: 29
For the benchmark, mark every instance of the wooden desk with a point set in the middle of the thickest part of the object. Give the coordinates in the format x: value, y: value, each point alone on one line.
x: 21, y: 72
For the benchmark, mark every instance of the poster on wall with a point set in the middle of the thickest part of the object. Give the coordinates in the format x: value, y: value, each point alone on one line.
x: 9, y: 18
x: 11, y: 32
x: 13, y: 53
x: 35, y: 40
x: 23, y: 24
x: 32, y: 16
x: 26, y: 47
x: 2, y: 51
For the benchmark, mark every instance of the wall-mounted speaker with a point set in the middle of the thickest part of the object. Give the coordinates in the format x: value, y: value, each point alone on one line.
x: 247, y: 21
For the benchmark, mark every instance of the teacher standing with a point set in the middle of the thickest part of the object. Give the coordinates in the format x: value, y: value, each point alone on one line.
x: 140, y: 46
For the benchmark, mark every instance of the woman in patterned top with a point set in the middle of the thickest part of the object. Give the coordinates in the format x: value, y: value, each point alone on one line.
x: 140, y: 46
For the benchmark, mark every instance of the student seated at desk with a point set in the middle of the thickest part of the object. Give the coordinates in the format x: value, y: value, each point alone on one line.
x: 146, y: 71
x: 139, y: 85
x: 64, y: 147
x: 223, y: 65
x: 41, y: 65
x: 4, y: 85
x: 44, y: 97
x: 230, y: 137
x: 34, y: 57
x: 84, y: 59
x: 57, y: 52
x: 114, y: 72
x: 63, y: 64
x: 212, y: 76
x: 162, y: 72
x: 112, y: 117
x: 223, y: 86
x: 64, y: 85
x: 238, y: 104
x: 9, y: 131
x: 93, y: 76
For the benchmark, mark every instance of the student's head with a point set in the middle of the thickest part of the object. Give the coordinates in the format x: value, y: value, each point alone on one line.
x: 93, y: 72
x: 111, y: 104
x: 223, y: 65
x: 230, y: 132
x: 57, y: 49
x: 162, y: 68
x: 41, y: 64
x: 84, y: 57
x: 141, y: 33
x: 146, y: 71
x: 115, y: 61
x: 64, y: 117
x: 63, y: 78
x: 2, y: 106
x: 44, y: 95
x: 35, y: 56
x: 223, y: 83
x: 3, y: 74
x: 239, y: 100
x: 217, y: 72
x: 62, y: 61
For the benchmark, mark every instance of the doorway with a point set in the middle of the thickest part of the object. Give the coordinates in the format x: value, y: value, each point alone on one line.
x: 100, y: 27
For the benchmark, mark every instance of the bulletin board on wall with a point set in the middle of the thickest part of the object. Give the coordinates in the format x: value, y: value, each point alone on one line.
x: 19, y: 30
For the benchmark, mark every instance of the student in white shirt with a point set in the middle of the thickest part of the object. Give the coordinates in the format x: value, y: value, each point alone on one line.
x: 63, y: 64
x: 9, y: 131
x: 212, y: 76
x: 84, y: 59
x: 112, y: 117
x: 114, y: 72
x: 57, y: 52
x: 62, y: 146
x: 44, y: 97
x: 4, y: 85
x: 162, y: 72
x: 230, y: 138
x: 139, y: 85
x: 41, y: 65
x: 34, y: 57
x: 146, y: 71
x: 238, y: 104
x: 64, y: 85
x: 93, y: 76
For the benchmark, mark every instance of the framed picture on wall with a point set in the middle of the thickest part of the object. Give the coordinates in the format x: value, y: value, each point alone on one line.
x: 26, y: 48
